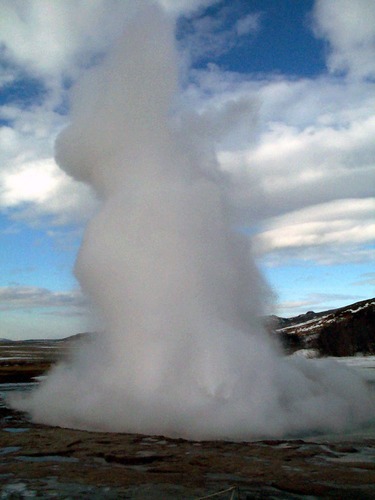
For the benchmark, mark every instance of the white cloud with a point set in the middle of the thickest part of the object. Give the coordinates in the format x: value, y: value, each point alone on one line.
x: 185, y: 6
x: 315, y: 301
x: 292, y: 158
x: 349, y: 27
x: 31, y: 184
x: 52, y: 38
x: 35, y: 312
x: 248, y: 24
x: 366, y: 280
x: 40, y: 188
x: 326, y: 155
x: 333, y: 224
x: 30, y: 297
x: 305, y: 176
x: 212, y: 35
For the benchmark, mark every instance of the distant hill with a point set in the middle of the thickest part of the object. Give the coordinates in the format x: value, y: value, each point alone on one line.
x: 79, y: 337
x: 345, y: 331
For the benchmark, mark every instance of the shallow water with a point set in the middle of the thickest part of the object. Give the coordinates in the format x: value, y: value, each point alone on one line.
x: 47, y: 458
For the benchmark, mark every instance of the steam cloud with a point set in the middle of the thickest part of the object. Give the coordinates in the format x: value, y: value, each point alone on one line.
x: 183, y: 354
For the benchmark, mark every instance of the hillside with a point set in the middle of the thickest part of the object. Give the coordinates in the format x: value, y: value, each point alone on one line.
x: 346, y: 331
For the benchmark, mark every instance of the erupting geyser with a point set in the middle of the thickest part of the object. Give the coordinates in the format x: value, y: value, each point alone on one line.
x: 172, y: 282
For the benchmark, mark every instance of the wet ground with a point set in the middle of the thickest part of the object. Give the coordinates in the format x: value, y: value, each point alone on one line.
x: 48, y: 462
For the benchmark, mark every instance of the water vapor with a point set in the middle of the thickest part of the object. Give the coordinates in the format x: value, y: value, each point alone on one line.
x: 184, y: 352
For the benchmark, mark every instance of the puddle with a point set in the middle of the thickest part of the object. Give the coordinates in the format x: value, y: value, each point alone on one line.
x: 139, y: 468
x: 16, y: 386
x: 47, y: 458
x: 145, y: 453
x: 225, y: 477
x: 17, y: 490
x: 9, y: 449
x: 16, y: 430
x: 48, y: 488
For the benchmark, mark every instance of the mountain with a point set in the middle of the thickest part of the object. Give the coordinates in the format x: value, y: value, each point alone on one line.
x: 346, y: 331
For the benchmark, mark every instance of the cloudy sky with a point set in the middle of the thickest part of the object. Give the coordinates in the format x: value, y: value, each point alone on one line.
x: 285, y: 88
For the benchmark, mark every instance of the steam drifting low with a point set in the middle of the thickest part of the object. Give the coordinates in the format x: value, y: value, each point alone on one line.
x: 183, y: 353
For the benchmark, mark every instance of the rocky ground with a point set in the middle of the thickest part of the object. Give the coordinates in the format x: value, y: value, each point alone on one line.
x: 39, y: 461
x: 46, y: 462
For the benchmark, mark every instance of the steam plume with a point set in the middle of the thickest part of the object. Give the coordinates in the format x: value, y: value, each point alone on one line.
x: 183, y: 354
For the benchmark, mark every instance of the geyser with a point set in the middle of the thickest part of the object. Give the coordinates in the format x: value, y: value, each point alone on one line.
x: 183, y: 353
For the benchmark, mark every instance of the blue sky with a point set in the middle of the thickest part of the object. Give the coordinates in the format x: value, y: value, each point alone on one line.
x: 296, y: 80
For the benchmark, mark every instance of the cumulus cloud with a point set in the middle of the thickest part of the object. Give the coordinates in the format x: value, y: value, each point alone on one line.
x: 349, y: 28
x: 33, y: 182
x: 53, y: 38
x: 310, y: 147
x: 32, y: 186
x: 314, y: 164
x: 32, y: 190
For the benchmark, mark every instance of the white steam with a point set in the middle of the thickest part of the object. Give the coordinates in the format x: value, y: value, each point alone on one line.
x: 183, y: 354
